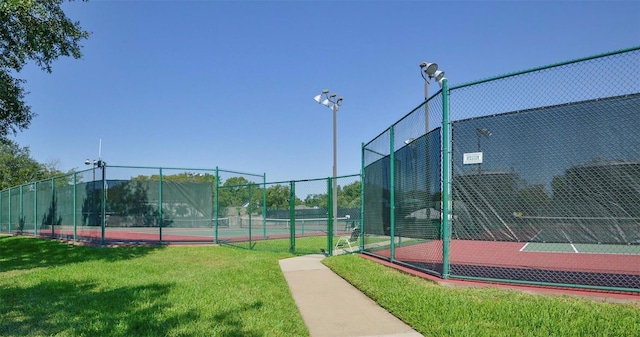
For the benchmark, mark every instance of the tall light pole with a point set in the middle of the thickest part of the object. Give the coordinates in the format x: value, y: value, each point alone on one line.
x: 429, y: 71
x: 330, y: 101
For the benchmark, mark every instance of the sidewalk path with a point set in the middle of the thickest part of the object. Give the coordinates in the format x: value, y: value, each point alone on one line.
x: 331, y: 307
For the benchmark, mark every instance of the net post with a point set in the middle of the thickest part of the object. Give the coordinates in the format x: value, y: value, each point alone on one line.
x: 292, y: 217
x: 446, y: 180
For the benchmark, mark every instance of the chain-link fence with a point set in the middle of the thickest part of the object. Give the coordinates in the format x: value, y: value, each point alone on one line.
x: 298, y: 216
x: 542, y: 185
x: 113, y: 204
x: 120, y: 204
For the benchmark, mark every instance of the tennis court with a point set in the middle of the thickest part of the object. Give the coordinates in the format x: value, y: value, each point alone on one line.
x: 580, y: 248
x: 243, y: 231
x: 551, y: 263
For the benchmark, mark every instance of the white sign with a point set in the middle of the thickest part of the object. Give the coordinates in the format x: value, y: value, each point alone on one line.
x: 472, y: 158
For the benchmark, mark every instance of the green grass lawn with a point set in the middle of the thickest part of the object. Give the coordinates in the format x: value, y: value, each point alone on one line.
x: 434, y: 310
x: 306, y: 245
x: 48, y: 288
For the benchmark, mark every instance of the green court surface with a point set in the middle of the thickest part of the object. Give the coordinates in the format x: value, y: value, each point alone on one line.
x: 580, y: 248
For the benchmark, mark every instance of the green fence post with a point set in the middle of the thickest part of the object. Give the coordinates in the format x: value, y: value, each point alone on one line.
x: 53, y: 210
x: 330, y: 218
x: 35, y: 206
x: 264, y: 206
x: 73, y: 208
x: 361, y: 225
x: 104, y: 201
x: 249, y: 211
x: 9, y: 210
x: 392, y: 195
x: 21, y: 218
x: 160, y: 217
x: 215, y: 207
x: 446, y: 179
x: 292, y: 217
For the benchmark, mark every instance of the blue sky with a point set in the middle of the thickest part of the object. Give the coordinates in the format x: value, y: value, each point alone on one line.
x: 200, y: 84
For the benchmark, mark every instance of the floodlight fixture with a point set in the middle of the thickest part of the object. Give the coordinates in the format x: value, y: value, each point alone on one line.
x: 438, y: 75
x: 483, y: 132
x: 428, y: 68
x: 430, y: 71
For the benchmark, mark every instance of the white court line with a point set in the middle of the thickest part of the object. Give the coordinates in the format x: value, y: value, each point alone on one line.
x: 574, y: 248
x: 525, y: 246
x: 536, y: 235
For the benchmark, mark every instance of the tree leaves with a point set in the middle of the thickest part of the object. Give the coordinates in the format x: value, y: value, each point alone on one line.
x: 36, y: 31
x: 17, y: 167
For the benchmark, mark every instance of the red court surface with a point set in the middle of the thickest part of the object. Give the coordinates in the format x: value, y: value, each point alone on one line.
x: 605, y: 296
x: 508, y: 262
x: 151, y: 235
x: 500, y: 254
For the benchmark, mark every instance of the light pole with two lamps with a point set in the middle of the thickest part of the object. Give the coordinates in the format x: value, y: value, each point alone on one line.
x: 481, y: 132
x: 333, y: 102
x: 429, y: 71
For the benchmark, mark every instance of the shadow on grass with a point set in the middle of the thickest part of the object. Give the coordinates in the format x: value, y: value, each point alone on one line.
x: 82, y: 309
x: 69, y: 308
x: 22, y: 253
x: 230, y: 322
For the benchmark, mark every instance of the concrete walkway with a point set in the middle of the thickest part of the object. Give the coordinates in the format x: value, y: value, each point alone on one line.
x: 331, y: 307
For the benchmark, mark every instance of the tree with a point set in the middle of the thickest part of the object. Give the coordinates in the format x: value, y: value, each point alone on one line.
x: 234, y: 192
x: 179, y: 177
x: 349, y: 195
x: 17, y: 167
x: 30, y: 30
x: 316, y: 200
x: 278, y: 196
